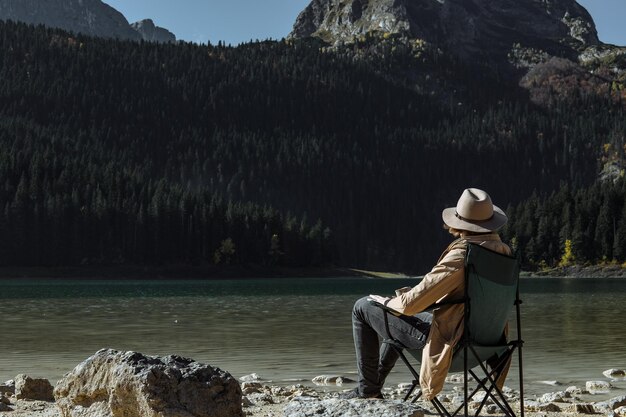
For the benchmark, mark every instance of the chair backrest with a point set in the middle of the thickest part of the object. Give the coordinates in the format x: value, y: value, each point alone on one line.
x: 492, y: 281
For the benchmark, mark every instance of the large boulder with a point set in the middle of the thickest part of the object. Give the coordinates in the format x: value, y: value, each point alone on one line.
x: 130, y: 384
x: 27, y: 388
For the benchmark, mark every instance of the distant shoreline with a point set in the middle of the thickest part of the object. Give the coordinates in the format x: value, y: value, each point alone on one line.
x: 579, y: 271
x: 211, y: 272
x: 206, y: 272
x: 165, y: 272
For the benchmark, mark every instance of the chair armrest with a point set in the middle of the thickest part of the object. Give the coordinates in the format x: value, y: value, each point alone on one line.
x: 385, y: 308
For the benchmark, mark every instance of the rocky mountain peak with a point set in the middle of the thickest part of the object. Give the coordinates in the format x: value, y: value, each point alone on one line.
x: 467, y: 27
x: 89, y: 17
x: 152, y: 33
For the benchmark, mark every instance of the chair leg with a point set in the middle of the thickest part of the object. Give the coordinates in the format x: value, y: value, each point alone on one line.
x: 521, y: 381
x: 416, y: 377
x: 465, y: 369
x: 492, y: 382
x: 478, y: 388
x: 440, y: 408
x: 487, y: 395
x: 481, y: 384
x: 408, y: 394
x: 417, y: 397
x: 504, y: 406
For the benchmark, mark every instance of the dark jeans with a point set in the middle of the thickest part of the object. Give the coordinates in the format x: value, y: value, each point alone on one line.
x: 375, y: 360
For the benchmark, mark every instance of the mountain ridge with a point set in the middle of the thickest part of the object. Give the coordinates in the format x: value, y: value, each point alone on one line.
x: 471, y: 29
x: 88, y: 17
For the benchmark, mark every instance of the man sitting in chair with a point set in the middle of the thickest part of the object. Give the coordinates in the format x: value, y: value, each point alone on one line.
x: 474, y: 220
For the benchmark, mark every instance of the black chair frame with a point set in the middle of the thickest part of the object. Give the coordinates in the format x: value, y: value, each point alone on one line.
x: 466, y: 347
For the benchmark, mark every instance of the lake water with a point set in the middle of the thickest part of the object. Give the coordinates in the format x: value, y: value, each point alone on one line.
x: 285, y: 330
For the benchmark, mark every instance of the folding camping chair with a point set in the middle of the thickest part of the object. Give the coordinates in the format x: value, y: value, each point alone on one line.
x: 491, y: 290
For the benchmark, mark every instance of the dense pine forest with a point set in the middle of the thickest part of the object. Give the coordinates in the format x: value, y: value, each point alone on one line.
x: 286, y: 153
x: 585, y: 226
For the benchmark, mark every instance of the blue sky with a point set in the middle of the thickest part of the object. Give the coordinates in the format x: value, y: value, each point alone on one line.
x: 236, y: 21
x: 233, y: 21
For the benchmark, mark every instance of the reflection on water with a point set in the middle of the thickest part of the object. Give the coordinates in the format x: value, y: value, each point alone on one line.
x: 285, y: 330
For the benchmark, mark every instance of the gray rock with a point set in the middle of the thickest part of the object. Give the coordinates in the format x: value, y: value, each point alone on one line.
x: 283, y: 391
x: 598, y: 387
x: 479, y: 397
x: 152, y: 33
x: 555, y: 397
x: 299, y: 391
x: 578, y: 408
x: 257, y: 394
x: 455, y: 378
x: 445, y: 398
x: 251, y: 387
x: 600, y: 52
x: 27, y: 388
x: 402, y: 388
x: 508, y: 391
x: 89, y: 17
x: 470, y: 29
x: 250, y: 378
x: 538, y: 406
x: 331, y: 380
x: 574, y: 390
x: 620, y: 411
x: 552, y: 382
x: 311, y: 407
x: 8, y: 387
x: 261, y: 398
x: 245, y: 402
x: 129, y: 384
x: 456, y: 399
x: 610, y: 405
x: 614, y: 373
x: 5, y: 407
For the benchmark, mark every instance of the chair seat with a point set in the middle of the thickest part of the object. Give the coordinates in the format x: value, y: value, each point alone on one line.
x: 457, y: 359
x: 472, y: 362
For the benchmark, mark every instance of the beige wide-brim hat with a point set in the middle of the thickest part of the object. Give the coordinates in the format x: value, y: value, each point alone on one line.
x: 475, y: 213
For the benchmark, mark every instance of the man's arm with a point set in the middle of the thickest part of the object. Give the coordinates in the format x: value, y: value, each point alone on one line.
x: 440, y: 281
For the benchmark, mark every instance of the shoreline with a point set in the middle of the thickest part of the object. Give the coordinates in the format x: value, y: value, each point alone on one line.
x: 263, y: 399
x: 580, y: 271
x: 187, y: 272
x: 211, y: 272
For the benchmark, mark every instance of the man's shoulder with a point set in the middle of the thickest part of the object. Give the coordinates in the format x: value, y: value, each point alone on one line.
x: 458, y: 248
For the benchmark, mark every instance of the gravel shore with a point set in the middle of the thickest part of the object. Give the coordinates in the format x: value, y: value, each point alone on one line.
x: 263, y: 400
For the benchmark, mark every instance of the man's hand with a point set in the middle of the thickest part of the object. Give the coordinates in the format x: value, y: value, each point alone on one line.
x: 379, y: 298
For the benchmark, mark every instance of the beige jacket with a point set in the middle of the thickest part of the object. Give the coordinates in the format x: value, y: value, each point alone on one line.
x: 445, y: 282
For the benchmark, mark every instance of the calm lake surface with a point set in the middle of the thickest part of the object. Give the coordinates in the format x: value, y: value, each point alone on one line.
x: 286, y: 330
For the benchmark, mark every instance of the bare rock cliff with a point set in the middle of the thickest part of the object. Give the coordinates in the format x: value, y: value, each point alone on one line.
x: 470, y: 28
x: 152, y: 33
x: 89, y: 17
